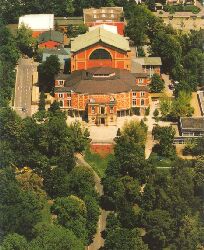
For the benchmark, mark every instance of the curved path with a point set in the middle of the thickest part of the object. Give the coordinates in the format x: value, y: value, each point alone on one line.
x: 98, y: 241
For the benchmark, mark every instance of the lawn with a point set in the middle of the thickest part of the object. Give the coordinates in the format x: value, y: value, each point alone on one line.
x: 161, y: 163
x: 98, y: 163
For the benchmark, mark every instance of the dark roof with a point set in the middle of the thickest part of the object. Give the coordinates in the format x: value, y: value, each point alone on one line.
x: 57, y: 51
x: 192, y: 123
x: 83, y: 81
x: 140, y: 75
x: 51, y: 35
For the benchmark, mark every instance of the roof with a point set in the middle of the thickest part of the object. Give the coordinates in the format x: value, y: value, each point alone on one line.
x: 107, y: 27
x: 83, y: 81
x: 104, y: 14
x: 51, y: 35
x: 148, y: 61
x: 37, y: 22
x: 64, y: 21
x: 62, y: 53
x: 192, y: 123
x: 97, y: 35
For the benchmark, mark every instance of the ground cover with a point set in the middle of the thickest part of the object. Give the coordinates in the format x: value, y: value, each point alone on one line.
x: 97, y: 162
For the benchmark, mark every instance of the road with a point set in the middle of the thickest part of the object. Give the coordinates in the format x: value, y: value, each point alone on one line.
x: 23, y: 86
x: 98, y: 241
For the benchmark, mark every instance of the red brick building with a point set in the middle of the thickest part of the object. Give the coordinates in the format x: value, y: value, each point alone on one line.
x: 112, y: 49
x: 50, y: 39
x: 105, y: 15
x: 101, y: 87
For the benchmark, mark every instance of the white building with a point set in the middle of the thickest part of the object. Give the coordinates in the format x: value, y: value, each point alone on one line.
x: 37, y: 22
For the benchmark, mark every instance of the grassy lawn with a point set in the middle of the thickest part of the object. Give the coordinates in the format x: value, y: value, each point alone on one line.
x: 46, y: 215
x: 98, y: 163
x: 161, y: 163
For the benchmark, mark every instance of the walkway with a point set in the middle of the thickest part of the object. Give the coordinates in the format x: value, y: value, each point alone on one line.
x: 98, y: 241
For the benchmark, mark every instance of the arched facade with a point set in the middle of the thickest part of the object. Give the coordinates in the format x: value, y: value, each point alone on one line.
x: 113, y: 57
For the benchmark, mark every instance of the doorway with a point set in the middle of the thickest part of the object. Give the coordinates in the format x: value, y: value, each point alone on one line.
x: 103, y: 121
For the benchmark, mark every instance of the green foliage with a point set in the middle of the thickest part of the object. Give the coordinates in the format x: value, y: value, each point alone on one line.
x: 19, y: 210
x: 49, y: 236
x: 147, y: 110
x: 79, y: 136
x: 71, y: 213
x: 81, y: 182
x: 181, y: 8
x: 73, y: 31
x: 98, y: 163
x: 156, y: 113
x: 24, y: 41
x: 42, y: 101
x: 157, y: 84
x: 47, y: 71
x: 165, y: 136
x: 14, y: 241
x: 121, y: 238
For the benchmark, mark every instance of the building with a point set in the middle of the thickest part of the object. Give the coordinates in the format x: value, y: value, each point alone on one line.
x: 149, y: 65
x: 110, y: 28
x: 100, y: 95
x: 100, y: 48
x: 185, y: 21
x: 63, y: 54
x: 105, y: 15
x: 178, y: 2
x: 192, y: 126
x: 50, y: 39
x: 38, y: 23
x: 61, y: 23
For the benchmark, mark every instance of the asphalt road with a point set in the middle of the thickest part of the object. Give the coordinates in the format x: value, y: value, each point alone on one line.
x: 23, y: 86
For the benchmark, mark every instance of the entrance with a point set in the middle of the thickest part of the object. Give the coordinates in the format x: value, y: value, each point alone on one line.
x: 103, y: 121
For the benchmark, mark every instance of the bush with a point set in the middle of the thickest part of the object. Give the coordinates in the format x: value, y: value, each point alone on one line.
x: 135, y: 111
x: 147, y: 110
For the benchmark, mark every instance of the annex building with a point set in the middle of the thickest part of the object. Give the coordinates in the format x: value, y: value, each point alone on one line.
x: 101, y: 86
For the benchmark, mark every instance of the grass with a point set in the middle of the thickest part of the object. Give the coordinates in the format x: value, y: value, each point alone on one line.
x: 46, y: 214
x: 161, y: 163
x: 98, y: 163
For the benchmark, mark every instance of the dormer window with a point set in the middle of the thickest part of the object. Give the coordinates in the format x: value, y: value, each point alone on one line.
x: 60, y: 82
x: 60, y: 95
x: 140, y: 80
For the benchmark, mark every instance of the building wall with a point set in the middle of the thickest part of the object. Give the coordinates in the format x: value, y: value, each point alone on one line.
x: 120, y: 59
x: 152, y: 70
x: 124, y: 101
x: 49, y: 44
x: 120, y: 25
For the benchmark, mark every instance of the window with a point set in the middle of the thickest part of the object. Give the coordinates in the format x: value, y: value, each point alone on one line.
x: 111, y: 110
x: 95, y: 16
x: 69, y: 94
x: 100, y: 54
x: 140, y: 80
x: 69, y: 103
x: 103, y: 15
x: 102, y: 109
x: 134, y: 93
x: 142, y: 93
x: 60, y: 95
x: 61, y: 103
x: 60, y: 82
x: 92, y: 109
x: 112, y: 15
x: 142, y: 102
x: 134, y: 102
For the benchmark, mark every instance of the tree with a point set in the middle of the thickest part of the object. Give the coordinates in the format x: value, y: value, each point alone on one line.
x: 19, y: 210
x: 79, y: 136
x: 189, y: 233
x: 73, y: 31
x: 157, y: 84
x: 72, y: 214
x: 181, y: 105
x: 49, y: 236
x: 42, y: 101
x: 47, y: 71
x: 24, y: 40
x: 14, y: 241
x: 165, y: 136
x: 168, y: 48
x: 121, y: 238
x: 156, y: 113
x: 159, y: 227
x: 165, y: 107
x: 81, y: 182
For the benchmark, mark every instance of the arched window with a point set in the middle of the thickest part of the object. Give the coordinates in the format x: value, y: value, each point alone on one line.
x: 142, y: 102
x: 100, y: 54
